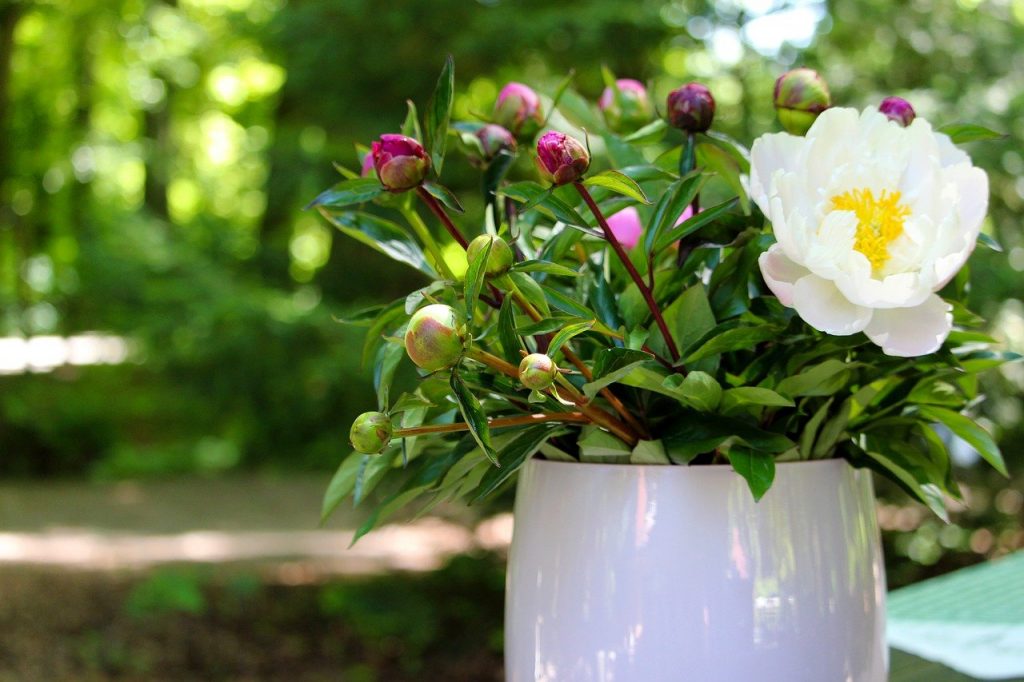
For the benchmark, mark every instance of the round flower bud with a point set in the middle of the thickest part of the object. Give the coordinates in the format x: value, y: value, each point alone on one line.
x: 499, y: 260
x: 518, y: 110
x: 561, y: 159
x: 370, y: 433
x: 691, y: 108
x: 537, y: 371
x: 627, y: 109
x: 401, y: 162
x: 435, y: 338
x: 800, y: 95
x: 494, y: 139
x: 897, y: 109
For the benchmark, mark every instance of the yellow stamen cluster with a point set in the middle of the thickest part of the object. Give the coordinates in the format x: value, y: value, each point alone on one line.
x: 879, y: 221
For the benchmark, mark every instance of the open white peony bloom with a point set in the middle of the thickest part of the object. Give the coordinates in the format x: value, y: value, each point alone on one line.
x: 870, y: 219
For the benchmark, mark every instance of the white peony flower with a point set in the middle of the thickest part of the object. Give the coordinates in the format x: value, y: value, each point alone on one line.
x: 870, y: 220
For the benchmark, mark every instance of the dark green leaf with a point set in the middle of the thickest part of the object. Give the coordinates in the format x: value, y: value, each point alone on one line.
x: 381, y: 235
x: 602, y: 447
x: 740, y: 338
x: 546, y: 267
x: 513, y: 455
x: 363, y: 317
x: 533, y: 292
x: 567, y: 304
x: 388, y: 316
x: 969, y: 132
x: 342, y: 483
x: 533, y: 194
x: 388, y: 357
x: 716, y: 159
x: 693, y: 224
x: 651, y: 133
x: 566, y: 333
x: 990, y: 242
x: 475, y: 274
x: 692, y: 433
x: 758, y: 468
x: 620, y: 183
x: 349, y: 192
x: 474, y: 415
x: 444, y: 195
x: 649, y: 452
x: 810, y: 432
x: 411, y: 126
x: 439, y: 113
x: 698, y: 390
x: 507, y: 335
x: 672, y: 204
x: 820, y: 380
x: 968, y: 429
x: 753, y: 395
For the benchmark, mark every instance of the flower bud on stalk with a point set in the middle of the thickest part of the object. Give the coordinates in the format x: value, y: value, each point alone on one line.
x: 518, y: 110
x: 401, y: 162
x: 537, y: 371
x: 897, y: 109
x: 561, y: 159
x: 800, y: 95
x: 493, y: 140
x: 499, y: 260
x: 435, y: 338
x: 627, y: 109
x: 691, y: 108
x: 371, y: 432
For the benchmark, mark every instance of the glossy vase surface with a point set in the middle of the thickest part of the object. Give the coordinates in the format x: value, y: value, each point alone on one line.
x: 623, y: 573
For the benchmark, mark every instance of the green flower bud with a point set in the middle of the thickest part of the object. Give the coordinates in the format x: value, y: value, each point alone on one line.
x: 537, y: 371
x: 370, y: 433
x: 500, y: 258
x: 435, y: 338
x: 800, y: 95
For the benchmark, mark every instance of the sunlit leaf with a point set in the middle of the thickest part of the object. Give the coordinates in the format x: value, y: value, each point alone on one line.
x: 620, y: 183
x: 439, y: 113
x: 349, y: 193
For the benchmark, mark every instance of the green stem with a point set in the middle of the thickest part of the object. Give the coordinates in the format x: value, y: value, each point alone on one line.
x: 429, y: 243
x: 497, y: 423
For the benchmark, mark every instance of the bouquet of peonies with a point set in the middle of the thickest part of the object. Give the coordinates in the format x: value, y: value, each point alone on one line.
x: 665, y: 296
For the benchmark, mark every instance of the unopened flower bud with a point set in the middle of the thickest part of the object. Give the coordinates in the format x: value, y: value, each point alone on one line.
x: 897, y: 109
x: 499, y: 260
x: 691, y: 108
x: 800, y: 95
x: 370, y: 433
x: 518, y: 110
x: 537, y: 371
x: 627, y: 109
x: 435, y: 338
x: 561, y: 159
x: 494, y: 139
x: 401, y: 162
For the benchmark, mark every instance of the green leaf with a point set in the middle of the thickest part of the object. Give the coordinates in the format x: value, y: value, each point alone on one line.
x: 740, y: 338
x: 513, y: 455
x: 474, y: 415
x: 411, y: 126
x: 690, y: 317
x: 567, y: 304
x: 342, y: 483
x: 649, y: 452
x: 545, y: 267
x: 832, y: 430
x: 559, y: 93
x: 614, y: 360
x: 439, y: 113
x: 620, y: 183
x: 968, y: 429
x: 475, y: 274
x: 758, y: 468
x: 567, y: 332
x: 409, y: 401
x: 693, y: 224
x: 602, y: 447
x: 895, y: 465
x: 349, y: 192
x: 507, y: 335
x: 388, y: 357
x: 698, y: 390
x: 363, y: 317
x: 387, y: 317
x: 651, y: 133
x: 383, y: 236
x: 752, y: 395
x: 533, y: 195
x: 969, y: 132
x: 820, y: 380
x: 716, y: 159
x: 672, y: 204
x: 692, y: 433
x: 990, y: 242
x: 533, y: 292
x: 444, y: 195
x: 810, y: 432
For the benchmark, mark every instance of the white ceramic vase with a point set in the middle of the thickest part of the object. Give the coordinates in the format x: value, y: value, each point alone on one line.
x: 622, y: 573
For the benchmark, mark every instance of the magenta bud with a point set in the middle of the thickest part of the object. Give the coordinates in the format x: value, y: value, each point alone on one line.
x: 401, y: 162
x: 627, y: 109
x: 371, y: 432
x: 800, y: 95
x: 518, y: 110
x: 499, y: 260
x: 435, y: 338
x: 897, y: 109
x: 494, y: 139
x: 691, y: 108
x: 367, y: 168
x: 537, y: 371
x: 561, y: 159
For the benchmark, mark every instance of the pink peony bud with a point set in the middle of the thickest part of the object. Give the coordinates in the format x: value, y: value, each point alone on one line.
x: 561, y: 159
x: 401, y: 162
x: 897, y: 109
x: 626, y: 227
x: 691, y: 108
x: 630, y: 110
x: 494, y: 139
x: 518, y: 110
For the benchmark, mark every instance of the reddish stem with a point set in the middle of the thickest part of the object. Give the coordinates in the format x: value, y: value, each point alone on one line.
x: 438, y: 210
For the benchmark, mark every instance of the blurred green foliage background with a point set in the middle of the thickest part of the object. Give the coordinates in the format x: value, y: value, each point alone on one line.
x: 156, y: 156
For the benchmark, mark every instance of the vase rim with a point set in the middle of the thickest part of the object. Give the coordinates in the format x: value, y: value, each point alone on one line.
x: 806, y: 463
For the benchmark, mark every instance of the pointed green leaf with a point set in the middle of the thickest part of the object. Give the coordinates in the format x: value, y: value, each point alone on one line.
x: 698, y: 390
x: 444, y: 195
x: 533, y: 292
x: 439, y: 113
x: 651, y: 133
x: 672, y: 204
x: 620, y: 183
x: 546, y: 202
x: 411, y: 126
x: 567, y: 332
x: 649, y: 452
x: 513, y: 455
x: 545, y: 267
x: 475, y: 274
x: 753, y: 395
x: 474, y: 415
x: 348, y: 193
x: 381, y: 235
x: 507, y: 335
x: 758, y: 468
x: 693, y: 224
x: 969, y: 132
x: 567, y: 304
x: 740, y: 338
x: 342, y: 483
x: 968, y: 429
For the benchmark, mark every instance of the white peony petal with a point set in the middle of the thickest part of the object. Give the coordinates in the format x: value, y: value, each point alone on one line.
x: 824, y: 307
x: 781, y: 273
x: 972, y: 186
x: 909, y: 332
x: 769, y: 154
x: 949, y: 153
